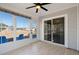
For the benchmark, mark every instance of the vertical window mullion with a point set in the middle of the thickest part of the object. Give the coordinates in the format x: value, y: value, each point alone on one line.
x: 14, y: 27
x: 30, y: 29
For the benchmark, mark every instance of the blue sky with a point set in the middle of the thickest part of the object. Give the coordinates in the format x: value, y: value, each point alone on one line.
x: 22, y: 22
x: 6, y: 18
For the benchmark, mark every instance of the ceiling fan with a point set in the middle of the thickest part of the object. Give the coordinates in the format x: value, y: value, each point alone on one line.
x: 38, y: 6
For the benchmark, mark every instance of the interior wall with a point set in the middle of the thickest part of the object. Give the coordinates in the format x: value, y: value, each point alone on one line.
x: 72, y: 25
x: 78, y: 27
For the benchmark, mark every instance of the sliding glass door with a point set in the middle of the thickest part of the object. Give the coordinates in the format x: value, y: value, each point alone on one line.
x: 58, y: 33
x: 47, y: 30
x: 54, y: 30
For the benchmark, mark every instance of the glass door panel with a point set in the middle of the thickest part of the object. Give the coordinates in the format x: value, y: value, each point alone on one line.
x: 47, y: 30
x: 58, y: 32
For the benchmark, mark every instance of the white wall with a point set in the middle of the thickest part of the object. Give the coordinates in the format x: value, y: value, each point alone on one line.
x: 72, y: 25
x: 78, y: 27
x: 14, y: 45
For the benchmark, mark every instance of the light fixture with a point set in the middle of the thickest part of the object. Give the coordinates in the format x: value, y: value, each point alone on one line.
x: 38, y: 7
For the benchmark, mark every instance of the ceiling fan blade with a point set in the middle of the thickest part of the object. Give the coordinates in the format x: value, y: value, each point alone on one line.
x: 45, y: 3
x: 30, y: 7
x: 37, y: 3
x: 37, y: 10
x: 44, y: 8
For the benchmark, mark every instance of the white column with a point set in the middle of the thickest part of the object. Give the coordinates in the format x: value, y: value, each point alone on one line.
x: 38, y: 29
x: 30, y: 29
x: 14, y: 27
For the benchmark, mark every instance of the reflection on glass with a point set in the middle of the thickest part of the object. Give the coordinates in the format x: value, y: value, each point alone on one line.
x: 58, y: 35
x: 6, y: 27
x: 22, y: 28
x: 47, y: 30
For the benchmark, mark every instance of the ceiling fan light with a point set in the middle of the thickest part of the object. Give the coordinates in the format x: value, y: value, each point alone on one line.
x: 38, y: 7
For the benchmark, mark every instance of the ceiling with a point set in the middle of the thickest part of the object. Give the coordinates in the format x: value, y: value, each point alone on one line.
x: 20, y: 7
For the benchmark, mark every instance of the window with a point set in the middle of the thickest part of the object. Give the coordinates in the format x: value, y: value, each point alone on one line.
x: 34, y: 30
x: 22, y: 28
x: 0, y: 30
x: 6, y: 27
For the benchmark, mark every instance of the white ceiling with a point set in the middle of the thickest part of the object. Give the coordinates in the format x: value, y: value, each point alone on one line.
x: 20, y: 7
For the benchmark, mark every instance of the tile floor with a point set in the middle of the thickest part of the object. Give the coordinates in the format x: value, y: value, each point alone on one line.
x: 42, y: 48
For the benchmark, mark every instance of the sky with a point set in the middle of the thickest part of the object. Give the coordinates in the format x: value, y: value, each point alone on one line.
x: 5, y: 18
x: 22, y: 22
